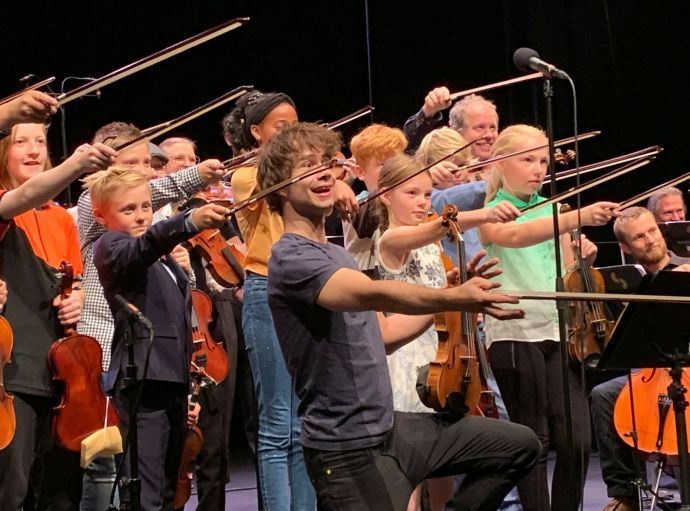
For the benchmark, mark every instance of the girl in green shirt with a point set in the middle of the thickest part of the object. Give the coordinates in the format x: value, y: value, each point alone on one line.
x: 524, y: 353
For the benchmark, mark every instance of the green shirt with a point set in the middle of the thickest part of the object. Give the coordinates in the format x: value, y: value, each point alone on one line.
x: 530, y: 268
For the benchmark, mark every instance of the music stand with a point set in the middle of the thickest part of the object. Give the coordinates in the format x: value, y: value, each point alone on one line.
x: 622, y: 278
x: 658, y: 335
x: 677, y: 236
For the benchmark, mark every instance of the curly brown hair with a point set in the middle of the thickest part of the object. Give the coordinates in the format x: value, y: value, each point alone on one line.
x: 278, y: 157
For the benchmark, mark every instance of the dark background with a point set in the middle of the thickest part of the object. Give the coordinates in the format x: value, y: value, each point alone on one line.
x: 626, y: 58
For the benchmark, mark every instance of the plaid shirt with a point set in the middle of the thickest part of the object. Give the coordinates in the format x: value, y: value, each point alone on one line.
x: 96, y: 318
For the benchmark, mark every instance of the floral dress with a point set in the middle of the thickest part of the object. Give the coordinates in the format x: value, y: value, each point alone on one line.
x: 423, y: 267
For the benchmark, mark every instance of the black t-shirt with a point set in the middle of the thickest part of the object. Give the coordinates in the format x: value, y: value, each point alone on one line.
x: 337, y: 360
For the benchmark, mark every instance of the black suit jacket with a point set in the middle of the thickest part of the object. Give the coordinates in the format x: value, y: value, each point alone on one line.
x: 132, y: 267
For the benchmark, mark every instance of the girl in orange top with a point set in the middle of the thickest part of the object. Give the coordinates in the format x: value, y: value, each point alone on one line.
x: 33, y: 245
x: 283, y: 477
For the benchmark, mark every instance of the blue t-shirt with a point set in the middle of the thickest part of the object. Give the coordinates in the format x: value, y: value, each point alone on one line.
x: 336, y: 359
x: 465, y: 197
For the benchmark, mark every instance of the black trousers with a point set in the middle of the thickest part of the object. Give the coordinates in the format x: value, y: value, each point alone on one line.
x: 212, y: 471
x: 161, y: 426
x: 493, y: 455
x: 529, y: 377
x: 35, y: 472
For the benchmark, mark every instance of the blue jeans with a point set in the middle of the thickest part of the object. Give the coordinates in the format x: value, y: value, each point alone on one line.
x: 99, y: 477
x: 283, y: 477
x: 618, y: 464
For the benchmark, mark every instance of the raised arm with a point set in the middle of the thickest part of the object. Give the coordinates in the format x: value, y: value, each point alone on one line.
x: 428, y: 118
x: 351, y: 291
x: 183, y: 184
x: 531, y: 232
x: 32, y: 106
x: 44, y: 186
x: 396, y: 243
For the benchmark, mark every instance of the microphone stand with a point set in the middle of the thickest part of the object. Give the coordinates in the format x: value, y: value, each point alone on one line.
x: 560, y: 305
x: 63, y: 126
x: 133, y: 484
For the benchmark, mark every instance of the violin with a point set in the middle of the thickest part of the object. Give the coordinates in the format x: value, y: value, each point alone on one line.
x: 219, y: 193
x: 8, y: 421
x: 560, y: 157
x: 193, y: 442
x: 654, y: 422
x: 225, y: 261
x: 76, y: 361
x: 209, y: 358
x: 590, y: 323
x: 453, y: 383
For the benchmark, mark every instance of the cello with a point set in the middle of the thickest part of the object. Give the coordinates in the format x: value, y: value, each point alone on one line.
x: 653, y: 422
x: 8, y: 421
x: 76, y: 361
x: 454, y: 383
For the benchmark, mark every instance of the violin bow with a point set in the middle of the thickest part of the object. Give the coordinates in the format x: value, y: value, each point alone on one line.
x: 36, y: 85
x: 351, y: 117
x: 415, y: 174
x: 594, y: 297
x: 457, y: 95
x: 645, y: 195
x: 641, y: 162
x: 481, y: 164
x: 241, y: 159
x: 235, y: 162
x: 636, y: 155
x: 155, y: 58
x: 283, y: 184
x: 159, y: 129
x: 473, y: 167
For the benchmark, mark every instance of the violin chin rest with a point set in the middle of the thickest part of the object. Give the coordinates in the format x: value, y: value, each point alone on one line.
x: 103, y: 442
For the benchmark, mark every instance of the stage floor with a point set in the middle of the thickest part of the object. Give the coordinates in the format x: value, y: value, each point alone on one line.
x: 241, y: 491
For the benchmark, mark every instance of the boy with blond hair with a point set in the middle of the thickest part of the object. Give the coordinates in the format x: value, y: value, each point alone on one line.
x: 132, y: 259
x: 96, y: 320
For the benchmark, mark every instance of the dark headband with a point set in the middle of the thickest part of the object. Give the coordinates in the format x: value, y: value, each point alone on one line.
x: 259, y: 106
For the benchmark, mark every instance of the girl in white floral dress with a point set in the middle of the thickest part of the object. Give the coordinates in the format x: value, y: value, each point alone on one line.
x: 408, y: 250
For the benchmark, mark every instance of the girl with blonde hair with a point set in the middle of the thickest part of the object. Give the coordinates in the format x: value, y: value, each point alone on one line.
x: 524, y: 354
x: 408, y: 250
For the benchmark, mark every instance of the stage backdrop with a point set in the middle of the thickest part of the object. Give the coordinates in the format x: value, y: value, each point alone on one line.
x: 626, y: 59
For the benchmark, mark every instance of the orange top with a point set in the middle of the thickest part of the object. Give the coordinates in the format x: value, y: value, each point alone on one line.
x: 51, y: 233
x: 260, y: 227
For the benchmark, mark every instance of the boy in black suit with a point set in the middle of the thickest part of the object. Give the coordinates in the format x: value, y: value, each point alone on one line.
x: 132, y: 260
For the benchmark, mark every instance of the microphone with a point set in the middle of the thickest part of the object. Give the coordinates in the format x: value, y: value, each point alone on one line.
x: 96, y: 94
x: 26, y: 80
x: 133, y: 313
x: 526, y: 59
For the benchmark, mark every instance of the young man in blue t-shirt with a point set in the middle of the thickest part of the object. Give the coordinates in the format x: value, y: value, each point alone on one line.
x: 359, y: 453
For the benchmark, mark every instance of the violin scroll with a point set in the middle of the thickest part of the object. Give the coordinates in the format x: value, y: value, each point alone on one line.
x: 76, y: 361
x: 564, y: 158
x: 449, y: 214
